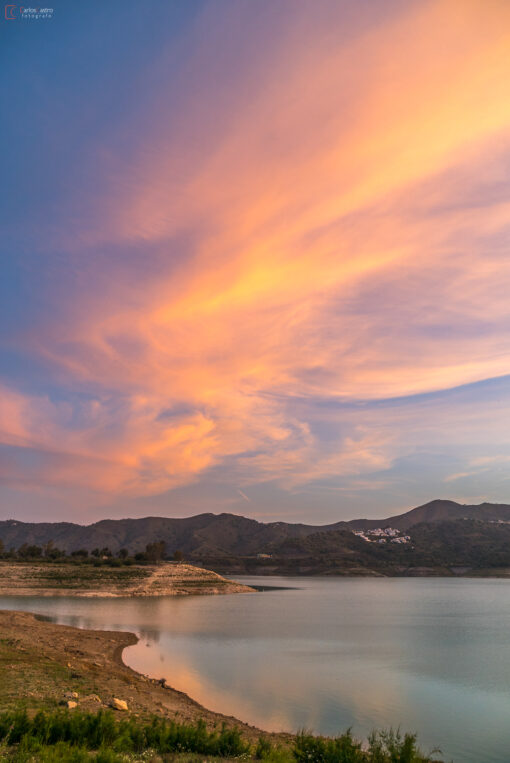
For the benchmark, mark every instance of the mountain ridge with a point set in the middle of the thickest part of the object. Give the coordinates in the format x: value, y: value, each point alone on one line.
x: 209, y: 534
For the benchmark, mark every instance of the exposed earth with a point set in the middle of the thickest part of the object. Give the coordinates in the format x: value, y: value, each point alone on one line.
x: 167, y: 579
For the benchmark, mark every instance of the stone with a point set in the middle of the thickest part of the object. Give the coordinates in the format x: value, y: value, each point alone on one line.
x: 71, y: 695
x: 71, y: 704
x: 119, y: 704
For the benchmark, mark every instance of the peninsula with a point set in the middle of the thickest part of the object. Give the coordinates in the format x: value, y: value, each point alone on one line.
x: 163, y: 579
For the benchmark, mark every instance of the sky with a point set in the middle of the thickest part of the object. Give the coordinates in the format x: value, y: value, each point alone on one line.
x: 254, y: 258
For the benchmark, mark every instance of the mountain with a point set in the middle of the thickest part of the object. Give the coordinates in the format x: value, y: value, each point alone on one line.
x: 204, y: 534
x: 438, y: 511
x: 217, y: 537
x: 452, y: 547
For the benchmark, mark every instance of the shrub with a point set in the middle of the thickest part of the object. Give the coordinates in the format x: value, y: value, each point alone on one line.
x: 390, y: 747
x: 70, y: 737
x: 383, y: 747
x: 101, y: 731
x: 342, y: 749
x: 263, y: 748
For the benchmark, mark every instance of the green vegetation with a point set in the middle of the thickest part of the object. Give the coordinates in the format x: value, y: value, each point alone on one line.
x: 79, y: 736
x: 382, y: 747
x: 81, y: 732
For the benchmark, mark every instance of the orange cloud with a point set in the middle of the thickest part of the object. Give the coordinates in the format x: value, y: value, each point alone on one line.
x: 332, y: 254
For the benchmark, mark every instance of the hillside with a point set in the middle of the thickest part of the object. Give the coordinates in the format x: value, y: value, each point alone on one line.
x: 199, y: 535
x: 444, y: 535
x: 438, y: 511
x: 462, y: 546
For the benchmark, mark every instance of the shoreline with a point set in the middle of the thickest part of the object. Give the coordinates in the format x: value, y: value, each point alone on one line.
x: 42, y: 662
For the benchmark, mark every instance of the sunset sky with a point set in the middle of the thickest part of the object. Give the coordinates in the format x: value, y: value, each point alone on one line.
x: 254, y: 258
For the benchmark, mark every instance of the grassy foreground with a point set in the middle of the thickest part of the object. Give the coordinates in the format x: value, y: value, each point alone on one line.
x: 83, y: 736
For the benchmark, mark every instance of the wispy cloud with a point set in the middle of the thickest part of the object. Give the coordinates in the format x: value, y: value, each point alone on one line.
x: 325, y: 219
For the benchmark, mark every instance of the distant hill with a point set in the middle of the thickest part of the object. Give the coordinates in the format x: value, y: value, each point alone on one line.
x: 452, y: 547
x: 438, y: 511
x: 203, y: 534
x: 443, y: 533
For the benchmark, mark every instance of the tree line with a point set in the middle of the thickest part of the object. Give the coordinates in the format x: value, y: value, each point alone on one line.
x: 49, y: 552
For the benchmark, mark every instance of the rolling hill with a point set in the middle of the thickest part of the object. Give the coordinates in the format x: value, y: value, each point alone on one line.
x: 200, y: 535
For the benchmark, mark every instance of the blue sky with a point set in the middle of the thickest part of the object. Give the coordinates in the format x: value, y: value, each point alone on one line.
x: 254, y: 258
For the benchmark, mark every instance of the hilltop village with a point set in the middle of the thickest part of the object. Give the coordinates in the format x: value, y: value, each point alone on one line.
x: 382, y: 535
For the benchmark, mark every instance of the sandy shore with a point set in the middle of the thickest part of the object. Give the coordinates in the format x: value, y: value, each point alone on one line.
x: 41, y: 663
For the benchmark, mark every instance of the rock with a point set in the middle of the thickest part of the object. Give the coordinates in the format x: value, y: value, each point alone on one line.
x: 71, y: 704
x: 91, y: 698
x: 119, y: 704
x: 71, y: 695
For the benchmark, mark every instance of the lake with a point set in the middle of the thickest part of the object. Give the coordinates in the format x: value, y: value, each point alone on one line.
x: 429, y: 655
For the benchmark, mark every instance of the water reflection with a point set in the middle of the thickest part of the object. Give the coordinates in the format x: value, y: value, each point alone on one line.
x: 432, y: 656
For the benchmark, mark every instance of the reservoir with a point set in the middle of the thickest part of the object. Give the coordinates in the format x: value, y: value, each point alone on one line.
x: 430, y: 655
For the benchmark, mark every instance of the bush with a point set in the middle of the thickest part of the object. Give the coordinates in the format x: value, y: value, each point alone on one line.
x: 263, y: 748
x: 390, y: 747
x: 342, y: 749
x: 71, y: 737
x: 101, y: 731
x: 383, y: 747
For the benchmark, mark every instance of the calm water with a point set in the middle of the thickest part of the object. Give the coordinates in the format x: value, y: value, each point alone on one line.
x: 430, y: 655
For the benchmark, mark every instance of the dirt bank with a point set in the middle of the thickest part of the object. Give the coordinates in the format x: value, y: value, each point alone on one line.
x: 166, y: 579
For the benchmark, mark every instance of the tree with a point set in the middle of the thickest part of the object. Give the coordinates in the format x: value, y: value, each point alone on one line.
x: 178, y: 556
x: 29, y: 552
x: 123, y: 553
x: 81, y: 552
x: 53, y: 552
x: 155, y: 551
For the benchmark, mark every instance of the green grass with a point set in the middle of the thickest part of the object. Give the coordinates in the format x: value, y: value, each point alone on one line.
x: 76, y: 737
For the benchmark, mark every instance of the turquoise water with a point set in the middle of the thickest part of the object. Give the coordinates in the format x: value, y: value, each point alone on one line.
x: 430, y: 655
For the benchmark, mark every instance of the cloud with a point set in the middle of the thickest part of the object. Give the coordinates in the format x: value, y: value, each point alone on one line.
x: 315, y: 208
